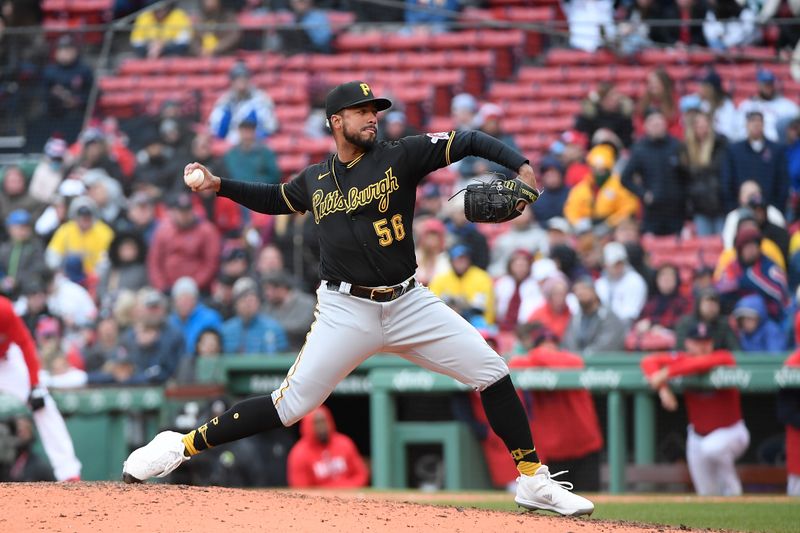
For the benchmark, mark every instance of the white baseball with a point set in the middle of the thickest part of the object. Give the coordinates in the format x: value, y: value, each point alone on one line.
x: 194, y: 178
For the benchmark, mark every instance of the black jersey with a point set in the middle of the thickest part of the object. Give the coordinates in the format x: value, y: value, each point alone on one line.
x: 364, y: 209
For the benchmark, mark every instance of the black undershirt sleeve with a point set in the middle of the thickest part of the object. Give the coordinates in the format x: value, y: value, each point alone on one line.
x: 260, y: 197
x: 477, y: 143
x: 429, y: 152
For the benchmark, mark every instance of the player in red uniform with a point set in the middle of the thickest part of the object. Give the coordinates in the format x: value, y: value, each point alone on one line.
x: 574, y: 447
x: 789, y: 414
x: 19, y: 377
x: 717, y: 435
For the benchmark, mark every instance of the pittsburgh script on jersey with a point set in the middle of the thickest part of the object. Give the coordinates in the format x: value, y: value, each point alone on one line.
x: 324, y: 204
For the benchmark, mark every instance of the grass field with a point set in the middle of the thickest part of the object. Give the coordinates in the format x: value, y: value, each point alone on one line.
x: 779, y: 515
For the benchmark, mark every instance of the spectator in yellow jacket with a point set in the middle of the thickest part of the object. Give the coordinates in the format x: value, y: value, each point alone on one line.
x: 600, y: 196
x: 164, y: 31
x: 465, y: 287
x: 84, y: 235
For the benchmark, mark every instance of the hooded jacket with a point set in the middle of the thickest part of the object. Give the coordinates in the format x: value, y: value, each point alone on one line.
x: 335, y: 463
x: 764, y: 278
x: 769, y: 337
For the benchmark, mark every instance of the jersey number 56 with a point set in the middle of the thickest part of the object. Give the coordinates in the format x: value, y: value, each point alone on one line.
x: 384, y: 232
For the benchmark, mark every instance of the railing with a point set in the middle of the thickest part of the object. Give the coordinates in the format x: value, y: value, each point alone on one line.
x: 383, y: 378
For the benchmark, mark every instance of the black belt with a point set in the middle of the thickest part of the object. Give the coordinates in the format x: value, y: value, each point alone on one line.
x: 380, y: 294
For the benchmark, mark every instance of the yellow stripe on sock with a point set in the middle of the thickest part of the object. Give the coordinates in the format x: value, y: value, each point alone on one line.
x: 528, y: 468
x: 188, y: 443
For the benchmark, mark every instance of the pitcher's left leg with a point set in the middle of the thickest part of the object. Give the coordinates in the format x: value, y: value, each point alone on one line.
x: 422, y: 329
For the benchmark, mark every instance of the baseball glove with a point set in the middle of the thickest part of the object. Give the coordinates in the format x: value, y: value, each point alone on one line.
x: 496, y: 201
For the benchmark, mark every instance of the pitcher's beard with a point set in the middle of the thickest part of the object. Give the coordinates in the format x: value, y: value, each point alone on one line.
x: 355, y: 139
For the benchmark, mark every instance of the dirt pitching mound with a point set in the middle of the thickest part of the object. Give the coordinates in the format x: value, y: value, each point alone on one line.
x: 119, y: 508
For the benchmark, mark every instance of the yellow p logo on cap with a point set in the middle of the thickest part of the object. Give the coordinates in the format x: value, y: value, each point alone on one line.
x: 365, y: 89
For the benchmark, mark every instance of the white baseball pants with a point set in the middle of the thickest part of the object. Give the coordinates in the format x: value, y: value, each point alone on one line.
x: 52, y: 430
x: 712, y: 459
x: 417, y: 326
x: 793, y: 485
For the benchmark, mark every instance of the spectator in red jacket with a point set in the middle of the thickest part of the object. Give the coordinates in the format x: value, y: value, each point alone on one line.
x: 574, y: 446
x: 183, y: 245
x: 716, y: 435
x: 324, y: 457
x: 789, y: 414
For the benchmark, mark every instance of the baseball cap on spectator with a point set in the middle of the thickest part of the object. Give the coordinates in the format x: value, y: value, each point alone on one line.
x: 18, y: 217
x: 464, y: 101
x: 71, y: 187
x: 691, y: 102
x: 583, y: 226
x: 613, y: 253
x: 225, y: 279
x: 709, y: 293
x: 744, y: 309
x: 91, y: 135
x: 601, y: 156
x: 150, y: 297
x: 48, y: 326
x: 395, y: 117
x: 712, y: 78
x: 575, y: 137
x: 55, y: 148
x: 430, y: 190
x: 544, y: 268
x: 168, y: 126
x: 239, y: 70
x: 433, y: 225
x: 82, y: 206
x: 185, y: 285
x: 753, y: 113
x: 278, y: 278
x: 73, y: 268
x: 180, y: 200
x: 234, y: 252
x: 541, y: 334
x: 141, y: 198
x: 756, y: 200
x: 249, y: 122
x: 243, y: 287
x: 66, y: 41
x: 746, y: 235
x: 699, y: 332
x: 32, y: 286
x: 765, y: 76
x: 549, y: 162
x: 460, y: 250
x: 560, y: 224
x: 486, y: 112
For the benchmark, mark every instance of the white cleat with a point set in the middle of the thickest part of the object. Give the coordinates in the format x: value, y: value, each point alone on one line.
x: 158, y: 458
x: 541, y: 492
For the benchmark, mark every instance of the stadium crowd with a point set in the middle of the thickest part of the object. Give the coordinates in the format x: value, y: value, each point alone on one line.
x: 124, y: 277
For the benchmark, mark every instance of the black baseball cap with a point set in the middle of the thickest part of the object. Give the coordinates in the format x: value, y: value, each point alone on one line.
x: 351, y: 94
x: 699, y: 332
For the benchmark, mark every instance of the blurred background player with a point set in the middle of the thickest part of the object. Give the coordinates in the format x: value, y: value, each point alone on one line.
x: 716, y: 435
x: 323, y: 457
x: 576, y: 446
x: 789, y: 414
x: 19, y: 377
